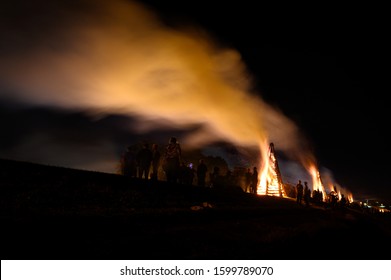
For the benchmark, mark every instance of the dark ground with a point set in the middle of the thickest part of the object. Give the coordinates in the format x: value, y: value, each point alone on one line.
x: 58, y: 213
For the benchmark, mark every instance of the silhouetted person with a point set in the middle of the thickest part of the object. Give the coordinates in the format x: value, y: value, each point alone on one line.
x: 181, y: 173
x: 333, y: 199
x: 144, y: 160
x: 307, y: 194
x: 343, y: 200
x: 229, y: 179
x: 187, y: 174
x: 129, y: 164
x: 215, y: 178
x: 172, y: 158
x: 247, y: 181
x: 201, y: 173
x: 299, y: 192
x: 316, y: 196
x: 254, y: 181
x: 155, y: 161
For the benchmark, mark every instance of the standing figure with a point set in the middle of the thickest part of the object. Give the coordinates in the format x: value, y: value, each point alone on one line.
x: 187, y: 174
x: 307, y: 194
x: 343, y: 200
x: 128, y: 163
x: 299, y: 192
x: 247, y: 181
x: 144, y: 159
x: 155, y: 161
x: 201, y: 173
x: 172, y: 159
x: 254, y: 181
x: 215, y: 177
x: 333, y: 199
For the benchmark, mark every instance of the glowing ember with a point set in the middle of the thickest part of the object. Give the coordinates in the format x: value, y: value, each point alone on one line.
x: 270, y: 176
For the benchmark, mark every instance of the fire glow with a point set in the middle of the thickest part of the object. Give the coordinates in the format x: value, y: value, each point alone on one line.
x: 326, y: 189
x: 270, y: 181
x: 316, y: 181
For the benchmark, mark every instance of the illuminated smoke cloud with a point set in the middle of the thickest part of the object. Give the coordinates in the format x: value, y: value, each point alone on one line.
x: 110, y: 57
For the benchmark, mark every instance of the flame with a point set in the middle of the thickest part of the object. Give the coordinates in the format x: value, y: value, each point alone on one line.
x: 316, y: 180
x: 264, y: 170
x: 270, y: 182
x: 318, y: 185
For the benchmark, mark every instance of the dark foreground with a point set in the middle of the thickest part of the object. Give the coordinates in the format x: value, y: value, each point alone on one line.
x: 58, y: 213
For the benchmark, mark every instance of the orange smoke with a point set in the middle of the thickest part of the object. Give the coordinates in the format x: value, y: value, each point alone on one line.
x: 116, y: 57
x: 122, y: 60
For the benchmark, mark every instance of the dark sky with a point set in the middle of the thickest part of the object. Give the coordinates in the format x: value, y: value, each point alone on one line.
x: 322, y: 65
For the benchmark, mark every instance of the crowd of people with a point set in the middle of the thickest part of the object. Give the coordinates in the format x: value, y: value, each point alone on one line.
x: 152, y: 163
x: 332, y: 199
x: 167, y: 164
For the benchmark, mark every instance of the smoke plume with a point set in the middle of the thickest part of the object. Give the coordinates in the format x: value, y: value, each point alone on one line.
x: 116, y: 57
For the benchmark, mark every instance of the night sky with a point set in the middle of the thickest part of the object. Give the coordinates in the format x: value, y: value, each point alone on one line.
x: 322, y: 66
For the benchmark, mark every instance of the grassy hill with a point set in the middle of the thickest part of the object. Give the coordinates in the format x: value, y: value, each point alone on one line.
x: 50, y: 212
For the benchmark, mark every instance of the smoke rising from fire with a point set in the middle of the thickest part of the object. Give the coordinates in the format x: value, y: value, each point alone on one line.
x: 110, y: 57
